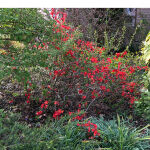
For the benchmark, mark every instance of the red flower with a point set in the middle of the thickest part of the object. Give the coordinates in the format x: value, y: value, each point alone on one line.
x: 91, y: 137
x: 56, y: 72
x: 96, y: 133
x: 34, y: 46
x: 87, y: 124
x: 57, y: 113
x: 11, y: 101
x: 123, y: 93
x: 108, y: 90
x: 79, y: 105
x: 132, y: 100
x: 45, y: 106
x: 14, y: 68
x: 46, y: 102
x: 131, y: 69
x: 85, y: 73
x: 83, y: 97
x: 40, y: 100
x: 52, y: 12
x: 79, y: 117
x: 30, y: 84
x: 117, y: 54
x: 78, y: 124
x: 109, y: 60
x: 80, y: 92
x: 57, y: 47
x: 89, y: 129
x: 93, y: 97
x: 70, y: 113
x: 28, y: 102
x: 64, y: 17
x: 56, y: 103
x: 94, y: 60
x: 124, y: 53
x: 71, y: 53
x: 100, y: 79
x: 65, y: 27
x: 132, y: 84
x: 42, y: 105
x: 49, y: 87
x: 39, y: 113
x: 103, y: 87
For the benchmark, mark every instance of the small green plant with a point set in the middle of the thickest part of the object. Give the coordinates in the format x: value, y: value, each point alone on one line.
x: 121, y: 135
x: 146, y: 49
x: 142, y: 107
x: 113, y: 42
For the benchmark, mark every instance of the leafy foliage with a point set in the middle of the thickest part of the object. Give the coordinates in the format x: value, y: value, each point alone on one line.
x: 23, y: 25
x: 64, y: 69
x: 146, y: 49
x: 60, y: 135
x: 60, y: 74
x: 142, y: 107
x: 64, y: 134
x: 121, y: 135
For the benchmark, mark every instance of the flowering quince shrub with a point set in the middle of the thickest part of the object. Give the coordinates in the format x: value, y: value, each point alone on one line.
x: 66, y: 74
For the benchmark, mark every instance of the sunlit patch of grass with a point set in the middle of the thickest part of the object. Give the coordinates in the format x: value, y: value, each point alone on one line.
x: 3, y: 52
x: 17, y: 44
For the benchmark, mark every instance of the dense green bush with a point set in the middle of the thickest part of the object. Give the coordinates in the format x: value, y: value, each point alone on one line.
x: 24, y: 25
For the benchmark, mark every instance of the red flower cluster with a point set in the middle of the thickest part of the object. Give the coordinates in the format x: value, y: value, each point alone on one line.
x: 28, y: 93
x: 121, y: 55
x: 85, y: 72
x: 79, y: 117
x: 57, y: 113
x: 44, y: 105
x: 91, y: 128
x: 56, y: 103
x: 94, y: 60
x: 39, y: 113
x: 11, y: 101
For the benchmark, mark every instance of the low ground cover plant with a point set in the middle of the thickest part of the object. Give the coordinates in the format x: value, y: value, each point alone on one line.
x: 61, y: 134
x: 75, y: 135
x: 120, y: 134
